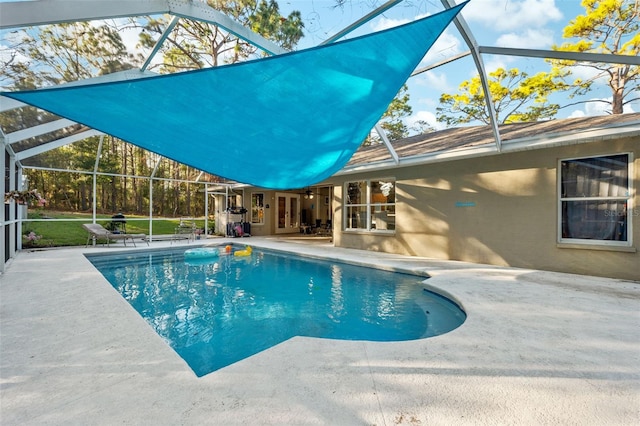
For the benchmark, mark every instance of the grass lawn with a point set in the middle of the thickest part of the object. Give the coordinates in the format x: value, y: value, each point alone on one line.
x: 50, y: 231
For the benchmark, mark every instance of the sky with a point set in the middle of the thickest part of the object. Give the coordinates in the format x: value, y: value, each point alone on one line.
x: 535, y: 24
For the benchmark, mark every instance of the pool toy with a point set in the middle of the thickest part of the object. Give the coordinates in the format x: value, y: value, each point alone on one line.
x: 227, y: 249
x: 245, y: 252
x: 201, y: 253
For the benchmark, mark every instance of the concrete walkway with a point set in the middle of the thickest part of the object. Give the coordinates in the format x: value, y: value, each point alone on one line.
x: 537, y: 348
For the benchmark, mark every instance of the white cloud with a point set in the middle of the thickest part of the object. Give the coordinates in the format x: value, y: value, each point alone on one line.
x: 530, y: 38
x: 595, y: 107
x: 506, y: 15
x: 434, y: 80
x: 577, y: 114
x: 586, y: 73
x: 9, y: 39
x: 130, y: 38
x: 495, y: 62
x: 424, y: 91
x: 8, y: 54
x: 446, y: 46
x: 424, y: 116
x: 385, y: 23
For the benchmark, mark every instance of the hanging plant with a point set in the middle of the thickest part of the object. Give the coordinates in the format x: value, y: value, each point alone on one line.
x: 25, y: 197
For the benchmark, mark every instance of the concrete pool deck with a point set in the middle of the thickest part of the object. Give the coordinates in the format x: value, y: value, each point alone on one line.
x: 537, y: 348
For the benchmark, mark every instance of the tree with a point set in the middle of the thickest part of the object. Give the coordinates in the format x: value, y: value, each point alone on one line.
x: 267, y: 21
x: 196, y: 45
x: 55, y: 54
x: 517, y: 97
x: 51, y: 55
x: 608, y: 26
x: 391, y: 120
x: 65, y: 52
x: 399, y: 108
x: 420, y: 127
x: 60, y: 53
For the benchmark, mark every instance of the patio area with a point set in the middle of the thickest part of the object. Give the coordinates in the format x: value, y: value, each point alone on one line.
x: 537, y: 348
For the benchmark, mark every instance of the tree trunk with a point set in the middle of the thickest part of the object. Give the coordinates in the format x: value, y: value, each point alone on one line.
x: 617, y: 90
x: 83, y: 196
x: 616, y: 102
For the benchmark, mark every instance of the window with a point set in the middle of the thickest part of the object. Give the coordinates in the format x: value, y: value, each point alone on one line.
x: 257, y: 208
x: 232, y: 202
x: 371, y: 205
x: 595, y: 200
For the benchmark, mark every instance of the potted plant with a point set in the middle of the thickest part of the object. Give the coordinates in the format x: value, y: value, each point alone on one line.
x: 31, y: 239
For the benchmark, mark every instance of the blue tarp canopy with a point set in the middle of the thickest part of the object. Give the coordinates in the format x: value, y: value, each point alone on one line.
x: 286, y: 121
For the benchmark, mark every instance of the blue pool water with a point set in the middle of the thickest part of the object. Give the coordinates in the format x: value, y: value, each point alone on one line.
x: 215, y: 312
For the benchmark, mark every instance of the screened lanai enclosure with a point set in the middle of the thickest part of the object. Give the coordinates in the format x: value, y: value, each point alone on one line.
x: 185, y: 142
x: 175, y: 154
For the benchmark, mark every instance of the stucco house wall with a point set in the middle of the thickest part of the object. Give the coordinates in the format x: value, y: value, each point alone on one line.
x: 499, y: 209
x: 310, y: 209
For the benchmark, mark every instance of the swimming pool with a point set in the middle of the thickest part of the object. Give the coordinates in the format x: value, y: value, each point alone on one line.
x: 217, y: 311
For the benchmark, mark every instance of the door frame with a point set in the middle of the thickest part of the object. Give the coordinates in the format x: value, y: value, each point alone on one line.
x: 292, y: 219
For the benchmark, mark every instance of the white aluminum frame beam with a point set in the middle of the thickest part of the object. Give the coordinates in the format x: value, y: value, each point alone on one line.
x: 38, y: 130
x: 538, y: 53
x: 562, y: 55
x: 378, y: 128
x: 369, y: 16
x: 467, y: 35
x: 94, y: 180
x: 42, y: 12
x: 441, y: 63
x: 3, y: 228
x: 387, y: 143
x: 7, y: 104
x: 160, y: 42
x: 202, y: 12
x: 132, y: 74
x: 56, y: 144
x: 29, y: 13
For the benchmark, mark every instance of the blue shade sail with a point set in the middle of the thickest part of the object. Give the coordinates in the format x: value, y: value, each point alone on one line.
x: 286, y: 121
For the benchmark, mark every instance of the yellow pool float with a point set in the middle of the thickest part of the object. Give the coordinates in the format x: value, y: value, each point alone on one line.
x: 245, y: 252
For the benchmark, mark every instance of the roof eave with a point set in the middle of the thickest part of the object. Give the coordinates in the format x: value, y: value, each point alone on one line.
x: 509, y: 146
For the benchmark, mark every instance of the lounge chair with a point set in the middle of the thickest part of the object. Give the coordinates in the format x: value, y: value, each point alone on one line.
x: 96, y: 231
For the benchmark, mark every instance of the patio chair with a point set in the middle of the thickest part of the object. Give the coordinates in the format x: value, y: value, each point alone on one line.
x: 96, y: 231
x: 185, y: 230
x: 325, y: 230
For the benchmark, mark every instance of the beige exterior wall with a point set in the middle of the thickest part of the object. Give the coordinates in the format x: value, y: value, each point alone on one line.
x: 510, y: 218
x: 266, y: 228
x: 310, y: 210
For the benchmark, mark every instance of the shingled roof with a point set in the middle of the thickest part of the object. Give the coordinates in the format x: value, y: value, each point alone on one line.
x: 476, y: 136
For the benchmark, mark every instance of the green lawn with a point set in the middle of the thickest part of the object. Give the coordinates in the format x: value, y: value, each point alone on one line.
x: 53, y: 233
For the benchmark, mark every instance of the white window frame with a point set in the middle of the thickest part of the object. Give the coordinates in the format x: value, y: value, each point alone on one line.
x: 628, y: 198
x: 369, y: 206
x: 262, y: 208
